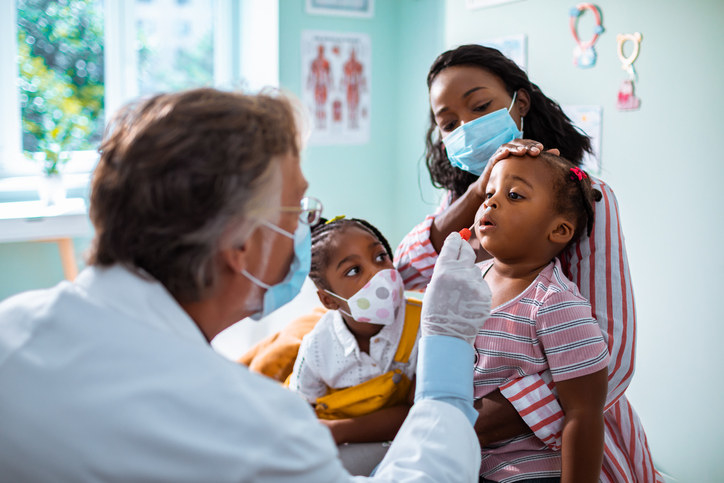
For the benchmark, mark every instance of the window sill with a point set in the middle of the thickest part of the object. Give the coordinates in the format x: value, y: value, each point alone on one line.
x: 25, y: 188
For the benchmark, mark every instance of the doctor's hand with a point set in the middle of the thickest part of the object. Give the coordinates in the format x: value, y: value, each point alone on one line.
x: 457, y: 300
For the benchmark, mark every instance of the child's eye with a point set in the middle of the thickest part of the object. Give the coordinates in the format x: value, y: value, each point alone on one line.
x: 488, y: 195
x: 382, y: 257
x: 514, y: 196
x: 352, y: 272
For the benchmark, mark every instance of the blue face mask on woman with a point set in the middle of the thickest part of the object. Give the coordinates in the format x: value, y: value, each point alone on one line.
x: 470, y: 146
x: 284, y: 291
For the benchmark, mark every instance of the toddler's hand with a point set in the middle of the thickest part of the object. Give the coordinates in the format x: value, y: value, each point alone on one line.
x: 457, y: 300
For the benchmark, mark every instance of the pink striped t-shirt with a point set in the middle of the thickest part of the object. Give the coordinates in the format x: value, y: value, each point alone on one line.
x: 546, y: 329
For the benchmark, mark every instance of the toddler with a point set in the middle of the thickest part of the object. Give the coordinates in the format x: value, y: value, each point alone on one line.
x: 534, y: 208
x: 357, y: 366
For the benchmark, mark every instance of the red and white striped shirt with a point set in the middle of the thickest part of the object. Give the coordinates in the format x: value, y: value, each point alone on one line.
x: 598, y: 265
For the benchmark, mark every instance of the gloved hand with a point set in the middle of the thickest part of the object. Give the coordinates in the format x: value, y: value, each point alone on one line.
x: 457, y: 300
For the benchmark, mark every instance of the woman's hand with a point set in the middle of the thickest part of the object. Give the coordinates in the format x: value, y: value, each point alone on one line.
x: 517, y: 147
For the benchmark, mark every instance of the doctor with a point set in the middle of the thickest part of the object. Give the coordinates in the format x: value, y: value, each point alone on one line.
x: 196, y: 207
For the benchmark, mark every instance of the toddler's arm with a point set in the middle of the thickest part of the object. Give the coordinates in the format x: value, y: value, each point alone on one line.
x: 583, y: 399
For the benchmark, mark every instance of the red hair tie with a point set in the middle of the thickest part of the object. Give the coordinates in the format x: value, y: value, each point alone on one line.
x: 578, y: 174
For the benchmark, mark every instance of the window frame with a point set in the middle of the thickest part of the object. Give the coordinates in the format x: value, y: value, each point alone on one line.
x: 248, y: 60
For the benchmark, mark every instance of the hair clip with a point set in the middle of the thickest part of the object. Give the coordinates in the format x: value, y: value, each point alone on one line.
x: 578, y: 173
x: 332, y: 220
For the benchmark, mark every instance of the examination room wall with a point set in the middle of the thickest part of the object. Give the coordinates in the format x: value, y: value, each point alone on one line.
x: 665, y: 165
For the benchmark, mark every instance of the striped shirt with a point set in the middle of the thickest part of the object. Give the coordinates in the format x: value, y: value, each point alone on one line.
x: 547, y: 329
x: 599, y: 267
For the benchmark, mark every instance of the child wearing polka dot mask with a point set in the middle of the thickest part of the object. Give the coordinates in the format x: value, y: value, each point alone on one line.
x: 357, y: 340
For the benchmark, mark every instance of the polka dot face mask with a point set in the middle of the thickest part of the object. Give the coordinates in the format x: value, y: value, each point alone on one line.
x: 379, y: 301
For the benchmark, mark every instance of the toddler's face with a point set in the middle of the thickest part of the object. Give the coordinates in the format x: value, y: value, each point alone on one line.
x: 518, y: 211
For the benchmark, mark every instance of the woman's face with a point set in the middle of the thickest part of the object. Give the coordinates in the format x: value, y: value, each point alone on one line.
x: 460, y: 94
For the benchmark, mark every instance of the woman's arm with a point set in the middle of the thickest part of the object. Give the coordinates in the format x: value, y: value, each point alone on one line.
x: 498, y: 419
x: 599, y: 266
x: 583, y: 399
x: 380, y: 425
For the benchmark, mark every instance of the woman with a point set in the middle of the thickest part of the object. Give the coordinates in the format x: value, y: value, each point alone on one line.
x: 481, y: 103
x: 196, y: 207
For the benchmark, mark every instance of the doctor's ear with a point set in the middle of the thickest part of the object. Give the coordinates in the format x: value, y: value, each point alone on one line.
x: 327, y: 300
x: 235, y: 257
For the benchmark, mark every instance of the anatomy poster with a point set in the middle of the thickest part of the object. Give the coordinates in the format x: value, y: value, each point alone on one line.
x: 336, y: 81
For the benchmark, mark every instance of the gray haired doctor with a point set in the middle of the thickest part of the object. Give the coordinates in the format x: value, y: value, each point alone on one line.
x: 200, y: 221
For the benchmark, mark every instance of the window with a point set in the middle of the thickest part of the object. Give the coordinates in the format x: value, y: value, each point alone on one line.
x: 66, y: 65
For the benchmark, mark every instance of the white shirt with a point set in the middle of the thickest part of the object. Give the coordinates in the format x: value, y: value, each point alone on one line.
x: 108, y: 379
x: 329, y: 356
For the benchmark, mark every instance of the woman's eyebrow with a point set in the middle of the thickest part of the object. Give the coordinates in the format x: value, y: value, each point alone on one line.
x: 465, y: 94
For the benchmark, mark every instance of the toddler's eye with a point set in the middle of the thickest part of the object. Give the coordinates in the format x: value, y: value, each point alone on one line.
x: 514, y: 196
x: 488, y: 196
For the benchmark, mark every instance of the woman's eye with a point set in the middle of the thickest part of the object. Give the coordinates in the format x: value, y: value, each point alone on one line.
x: 482, y: 107
x: 352, y: 272
x: 450, y: 126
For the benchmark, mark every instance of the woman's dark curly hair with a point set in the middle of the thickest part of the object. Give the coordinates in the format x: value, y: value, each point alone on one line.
x: 322, y: 233
x: 545, y: 121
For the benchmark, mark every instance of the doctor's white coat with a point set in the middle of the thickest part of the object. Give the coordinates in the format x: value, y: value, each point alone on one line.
x: 108, y: 379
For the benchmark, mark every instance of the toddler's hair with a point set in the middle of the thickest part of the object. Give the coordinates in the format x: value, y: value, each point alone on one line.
x: 323, y: 232
x: 573, y: 196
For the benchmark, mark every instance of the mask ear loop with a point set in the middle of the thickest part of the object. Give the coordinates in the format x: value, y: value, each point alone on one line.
x: 341, y: 298
x: 515, y: 94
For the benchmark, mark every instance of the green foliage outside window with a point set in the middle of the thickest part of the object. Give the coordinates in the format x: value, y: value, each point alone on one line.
x: 60, y: 59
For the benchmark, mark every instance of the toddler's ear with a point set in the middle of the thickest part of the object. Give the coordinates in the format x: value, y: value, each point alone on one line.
x: 562, y: 232
x: 327, y: 300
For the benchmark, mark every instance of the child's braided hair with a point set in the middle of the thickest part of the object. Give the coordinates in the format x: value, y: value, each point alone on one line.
x: 323, y: 231
x: 574, y: 194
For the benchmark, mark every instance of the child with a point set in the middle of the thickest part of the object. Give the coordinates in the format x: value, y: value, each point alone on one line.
x: 533, y: 210
x: 357, y: 365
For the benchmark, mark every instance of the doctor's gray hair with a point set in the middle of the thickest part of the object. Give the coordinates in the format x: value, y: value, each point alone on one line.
x: 178, y: 173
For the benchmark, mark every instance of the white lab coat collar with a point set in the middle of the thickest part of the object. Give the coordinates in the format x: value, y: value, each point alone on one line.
x: 140, y: 299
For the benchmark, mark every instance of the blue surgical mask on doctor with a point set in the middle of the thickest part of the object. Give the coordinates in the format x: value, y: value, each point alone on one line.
x: 283, y: 292
x: 470, y: 145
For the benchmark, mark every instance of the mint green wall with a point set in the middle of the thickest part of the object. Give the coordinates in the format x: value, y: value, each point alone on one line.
x: 379, y: 180
x: 666, y: 168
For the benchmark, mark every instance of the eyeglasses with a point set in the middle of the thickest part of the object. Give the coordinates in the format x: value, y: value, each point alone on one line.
x: 309, y: 209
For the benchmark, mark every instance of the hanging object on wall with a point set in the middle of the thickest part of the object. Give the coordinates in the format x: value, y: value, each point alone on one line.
x: 627, y: 100
x: 584, y: 55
